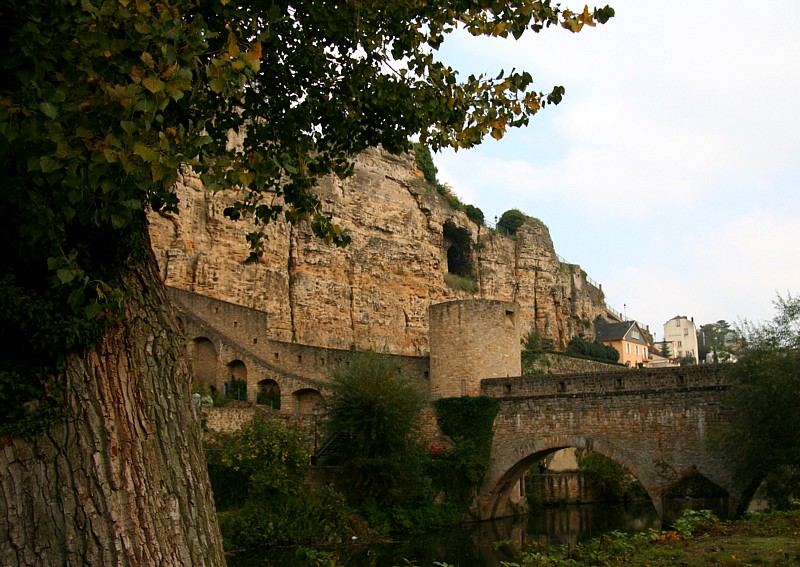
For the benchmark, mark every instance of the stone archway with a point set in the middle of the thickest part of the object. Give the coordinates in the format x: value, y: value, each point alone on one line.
x: 306, y: 400
x: 269, y: 393
x: 695, y: 491
x: 236, y: 380
x: 204, y: 362
x: 512, y: 460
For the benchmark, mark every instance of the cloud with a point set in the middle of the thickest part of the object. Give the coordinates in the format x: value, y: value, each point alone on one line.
x: 730, y: 271
x: 654, y: 107
x: 673, y: 155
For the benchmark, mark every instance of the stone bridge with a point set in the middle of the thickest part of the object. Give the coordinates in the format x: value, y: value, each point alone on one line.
x: 654, y: 422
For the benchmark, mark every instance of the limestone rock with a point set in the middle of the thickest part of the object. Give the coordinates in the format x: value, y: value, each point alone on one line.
x: 373, y: 294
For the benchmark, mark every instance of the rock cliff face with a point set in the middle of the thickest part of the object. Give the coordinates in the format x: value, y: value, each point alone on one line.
x: 375, y: 293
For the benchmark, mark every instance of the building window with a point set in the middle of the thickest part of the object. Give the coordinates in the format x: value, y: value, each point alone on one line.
x: 680, y: 344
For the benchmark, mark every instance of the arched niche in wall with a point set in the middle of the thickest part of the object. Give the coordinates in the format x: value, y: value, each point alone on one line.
x: 236, y: 382
x: 204, y: 361
x: 269, y: 393
x: 306, y: 400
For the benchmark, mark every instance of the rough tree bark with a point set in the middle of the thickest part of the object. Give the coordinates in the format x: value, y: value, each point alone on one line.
x: 121, y: 481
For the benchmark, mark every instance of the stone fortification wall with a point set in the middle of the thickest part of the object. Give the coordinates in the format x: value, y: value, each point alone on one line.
x: 373, y: 294
x: 245, y: 333
x: 227, y: 340
x: 471, y: 340
x: 557, y: 363
x: 607, y: 383
x: 226, y: 419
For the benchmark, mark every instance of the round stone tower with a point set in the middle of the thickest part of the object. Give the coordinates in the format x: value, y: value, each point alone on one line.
x: 470, y: 340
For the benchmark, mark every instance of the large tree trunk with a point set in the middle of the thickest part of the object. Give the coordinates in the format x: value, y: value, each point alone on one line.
x: 121, y: 481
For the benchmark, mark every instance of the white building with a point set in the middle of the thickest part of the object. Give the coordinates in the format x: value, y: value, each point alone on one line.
x: 681, y: 334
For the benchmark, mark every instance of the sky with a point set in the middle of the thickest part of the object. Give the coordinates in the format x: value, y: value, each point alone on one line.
x: 670, y: 170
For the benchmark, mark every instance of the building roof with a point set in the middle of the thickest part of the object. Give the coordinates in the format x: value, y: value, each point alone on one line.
x: 606, y: 331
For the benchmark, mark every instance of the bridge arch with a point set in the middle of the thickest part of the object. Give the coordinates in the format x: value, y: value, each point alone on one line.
x: 516, y: 457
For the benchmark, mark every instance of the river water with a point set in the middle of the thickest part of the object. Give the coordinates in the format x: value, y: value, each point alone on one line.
x: 483, y: 544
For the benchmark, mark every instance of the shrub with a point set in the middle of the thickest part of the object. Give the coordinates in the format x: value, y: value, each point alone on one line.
x: 424, y: 160
x: 580, y: 347
x: 377, y: 410
x: 607, y: 478
x: 461, y: 283
x: 474, y: 214
x: 510, y: 221
x: 257, y: 477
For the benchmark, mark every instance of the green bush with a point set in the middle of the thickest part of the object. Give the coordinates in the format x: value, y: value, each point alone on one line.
x: 377, y: 410
x: 474, y: 214
x: 316, y: 516
x: 510, y: 221
x: 607, y: 479
x: 257, y: 475
x: 424, y: 159
x: 690, y: 521
x: 580, y: 347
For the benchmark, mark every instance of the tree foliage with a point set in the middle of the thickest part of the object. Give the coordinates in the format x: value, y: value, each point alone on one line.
x: 258, y: 475
x: 469, y: 422
x: 475, y: 214
x: 104, y: 102
x: 765, y: 430
x: 376, y: 411
x: 582, y: 347
x: 510, y: 221
x: 719, y: 339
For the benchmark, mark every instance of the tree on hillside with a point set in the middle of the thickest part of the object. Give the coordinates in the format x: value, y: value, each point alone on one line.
x: 510, y: 221
x: 765, y: 432
x: 103, y: 103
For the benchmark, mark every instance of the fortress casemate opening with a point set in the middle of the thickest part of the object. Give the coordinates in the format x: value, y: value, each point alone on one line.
x: 458, y: 245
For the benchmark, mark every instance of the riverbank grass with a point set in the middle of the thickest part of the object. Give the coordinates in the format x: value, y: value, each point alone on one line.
x: 698, y: 541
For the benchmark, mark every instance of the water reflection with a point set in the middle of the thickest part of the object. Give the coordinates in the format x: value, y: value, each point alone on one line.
x: 484, y: 544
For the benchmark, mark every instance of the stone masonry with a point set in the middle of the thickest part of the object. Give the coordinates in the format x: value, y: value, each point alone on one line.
x: 653, y: 422
x: 469, y: 341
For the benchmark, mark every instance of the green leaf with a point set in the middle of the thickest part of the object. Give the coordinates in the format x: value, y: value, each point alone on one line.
x: 153, y: 84
x: 146, y: 153
x: 48, y: 164
x: 49, y: 110
x: 65, y: 275
x: 128, y: 126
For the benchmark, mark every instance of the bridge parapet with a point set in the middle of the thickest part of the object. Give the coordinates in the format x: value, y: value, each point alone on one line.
x: 606, y: 383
